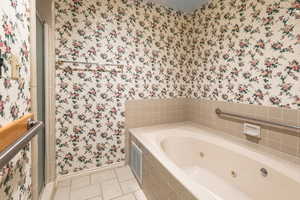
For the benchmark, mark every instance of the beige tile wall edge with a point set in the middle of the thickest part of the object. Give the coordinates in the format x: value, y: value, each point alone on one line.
x: 150, y: 112
x: 153, y: 111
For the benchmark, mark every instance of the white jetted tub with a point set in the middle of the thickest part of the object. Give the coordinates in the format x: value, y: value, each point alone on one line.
x: 216, y: 166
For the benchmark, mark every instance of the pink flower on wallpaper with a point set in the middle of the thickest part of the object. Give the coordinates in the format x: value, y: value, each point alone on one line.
x: 8, y: 29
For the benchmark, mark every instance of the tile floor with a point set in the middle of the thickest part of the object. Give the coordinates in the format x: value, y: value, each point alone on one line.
x: 112, y: 184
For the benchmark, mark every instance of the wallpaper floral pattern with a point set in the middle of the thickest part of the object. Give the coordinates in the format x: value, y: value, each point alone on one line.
x: 15, y: 177
x: 232, y: 50
x: 247, y: 52
x: 147, y: 39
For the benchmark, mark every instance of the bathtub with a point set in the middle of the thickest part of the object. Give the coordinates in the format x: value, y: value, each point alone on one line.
x: 215, y: 166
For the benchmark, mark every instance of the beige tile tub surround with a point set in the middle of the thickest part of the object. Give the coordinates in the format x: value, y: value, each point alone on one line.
x: 147, y: 112
x: 141, y: 113
x: 284, y: 140
x: 158, y: 183
x: 156, y: 111
x: 156, y: 177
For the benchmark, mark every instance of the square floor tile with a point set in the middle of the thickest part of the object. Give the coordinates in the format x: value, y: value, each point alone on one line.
x: 102, y: 176
x: 124, y: 173
x: 64, y: 183
x: 126, y: 197
x: 96, y: 198
x: 111, y: 189
x: 129, y: 186
x: 139, y: 195
x: 62, y: 193
x: 86, y: 192
x: 80, y: 181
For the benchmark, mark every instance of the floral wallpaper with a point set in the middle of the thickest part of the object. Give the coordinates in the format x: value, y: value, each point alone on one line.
x: 247, y: 52
x: 147, y: 39
x: 15, y: 177
x: 231, y: 50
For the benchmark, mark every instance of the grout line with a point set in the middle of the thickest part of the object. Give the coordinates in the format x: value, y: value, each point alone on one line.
x: 93, y: 197
x: 116, y: 174
x: 124, y: 195
x: 69, y: 193
x: 101, y: 189
x: 119, y: 183
x: 71, y: 182
x: 134, y: 195
x: 117, y: 178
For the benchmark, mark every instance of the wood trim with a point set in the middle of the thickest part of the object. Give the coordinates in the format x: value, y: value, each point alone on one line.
x: 50, y: 172
x: 33, y: 95
x: 13, y: 131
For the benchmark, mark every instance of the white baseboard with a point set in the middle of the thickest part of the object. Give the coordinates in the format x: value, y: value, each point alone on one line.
x: 88, y: 171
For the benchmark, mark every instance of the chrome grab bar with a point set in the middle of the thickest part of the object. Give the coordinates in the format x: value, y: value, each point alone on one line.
x: 8, y: 153
x: 220, y: 112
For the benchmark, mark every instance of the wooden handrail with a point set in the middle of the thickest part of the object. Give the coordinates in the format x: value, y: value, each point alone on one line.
x: 13, y: 131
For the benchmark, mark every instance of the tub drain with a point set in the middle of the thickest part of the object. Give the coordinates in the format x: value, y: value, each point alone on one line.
x: 233, y: 174
x: 201, y: 154
x: 264, y: 172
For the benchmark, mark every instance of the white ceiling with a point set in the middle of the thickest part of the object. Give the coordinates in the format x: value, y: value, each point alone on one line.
x: 181, y: 5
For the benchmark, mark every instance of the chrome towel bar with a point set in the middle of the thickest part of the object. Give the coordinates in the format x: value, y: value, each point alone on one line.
x: 89, y: 63
x: 119, y: 70
x: 8, y: 153
x: 220, y: 112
